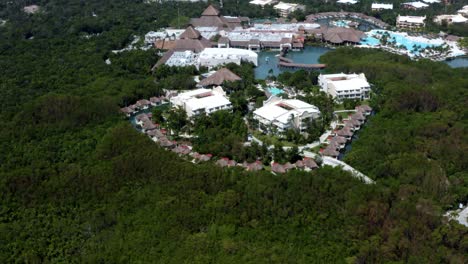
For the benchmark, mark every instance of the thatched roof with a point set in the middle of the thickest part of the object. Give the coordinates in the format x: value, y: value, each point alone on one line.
x: 210, y: 11
x: 190, y: 33
x: 340, y: 35
x: 331, y: 152
x: 220, y: 77
x: 278, y: 168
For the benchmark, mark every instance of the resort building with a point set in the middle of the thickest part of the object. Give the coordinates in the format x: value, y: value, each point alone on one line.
x: 345, y: 86
x: 211, y: 18
x: 212, y: 57
x: 284, y: 9
x: 263, y: 3
x: 31, y: 9
x: 415, y: 5
x: 378, y: 7
x: 341, y: 35
x: 202, y: 101
x: 219, y: 77
x: 450, y: 19
x: 283, y: 114
x: 347, y: 2
x: 463, y: 11
x: 410, y: 22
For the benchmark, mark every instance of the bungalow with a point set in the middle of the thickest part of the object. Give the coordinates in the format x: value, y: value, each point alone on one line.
x: 345, y: 132
x: 226, y: 162
x: 339, y: 141
x: 143, y: 104
x: 141, y: 118
x: 330, y: 152
x: 182, y: 150
x: 364, y: 109
x: 309, y: 163
x: 127, y: 111
x: 147, y: 126
x: 359, y: 117
x: 155, y: 101
x: 278, y: 168
x: 254, y: 166
x: 354, y: 124
x: 166, y: 143
x: 155, y: 134
x: 201, y: 157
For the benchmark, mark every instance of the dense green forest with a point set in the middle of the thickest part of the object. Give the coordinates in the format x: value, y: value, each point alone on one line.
x: 79, y: 184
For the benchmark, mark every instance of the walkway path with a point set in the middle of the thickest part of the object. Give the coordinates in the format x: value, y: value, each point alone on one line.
x: 336, y: 163
x: 459, y: 216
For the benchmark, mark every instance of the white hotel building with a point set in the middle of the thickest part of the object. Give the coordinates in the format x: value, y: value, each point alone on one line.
x: 202, y: 101
x: 284, y: 114
x: 345, y: 86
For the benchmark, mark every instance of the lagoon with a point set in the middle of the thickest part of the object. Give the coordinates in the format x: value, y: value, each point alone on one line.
x: 268, y: 60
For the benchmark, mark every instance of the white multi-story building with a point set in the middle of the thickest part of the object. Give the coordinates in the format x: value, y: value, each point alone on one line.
x: 377, y: 6
x: 263, y: 3
x: 284, y: 9
x: 211, y: 57
x: 202, y: 101
x: 284, y: 114
x: 345, y: 86
x: 410, y: 22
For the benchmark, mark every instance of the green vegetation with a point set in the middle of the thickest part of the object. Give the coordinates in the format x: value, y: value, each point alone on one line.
x: 79, y: 184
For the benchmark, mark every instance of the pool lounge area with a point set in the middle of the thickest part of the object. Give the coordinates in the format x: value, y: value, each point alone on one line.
x: 275, y: 90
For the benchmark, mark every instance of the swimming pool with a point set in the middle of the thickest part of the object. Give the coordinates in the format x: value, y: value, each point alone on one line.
x: 412, y: 44
x: 275, y: 90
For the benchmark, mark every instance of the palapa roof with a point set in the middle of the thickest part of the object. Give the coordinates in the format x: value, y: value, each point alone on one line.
x: 219, y: 77
x: 155, y: 133
x: 278, y: 168
x: 329, y: 151
x: 345, y: 132
x: 210, y: 11
x: 255, y: 166
x: 366, y: 108
x: 339, y: 139
x: 340, y: 35
x: 190, y: 33
x: 126, y: 110
x: 310, y: 163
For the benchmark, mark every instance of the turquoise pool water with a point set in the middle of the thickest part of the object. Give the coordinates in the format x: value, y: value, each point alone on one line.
x: 275, y: 90
x: 399, y: 39
x: 341, y: 23
x: 268, y: 62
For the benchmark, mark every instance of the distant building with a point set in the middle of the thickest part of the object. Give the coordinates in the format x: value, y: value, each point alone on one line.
x: 219, y: 77
x: 463, y: 11
x: 211, y: 17
x: 450, y: 19
x: 211, y: 57
x: 345, y: 86
x: 347, y: 2
x: 284, y: 114
x: 340, y: 35
x: 415, y: 5
x: 31, y: 9
x: 202, y: 101
x: 263, y: 3
x: 410, y: 22
x: 378, y: 7
x: 284, y: 9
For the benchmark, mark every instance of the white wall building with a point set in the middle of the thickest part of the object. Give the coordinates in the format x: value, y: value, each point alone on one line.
x: 450, y: 19
x: 201, y: 101
x: 263, y: 3
x: 377, y: 6
x: 211, y: 57
x: 410, y: 22
x: 345, y: 86
x: 284, y: 114
x: 415, y: 5
x: 284, y: 9
x: 347, y: 2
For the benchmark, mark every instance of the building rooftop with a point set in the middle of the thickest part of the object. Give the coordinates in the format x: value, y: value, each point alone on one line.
x: 411, y: 19
x: 281, y: 110
x: 219, y: 77
x: 382, y: 6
